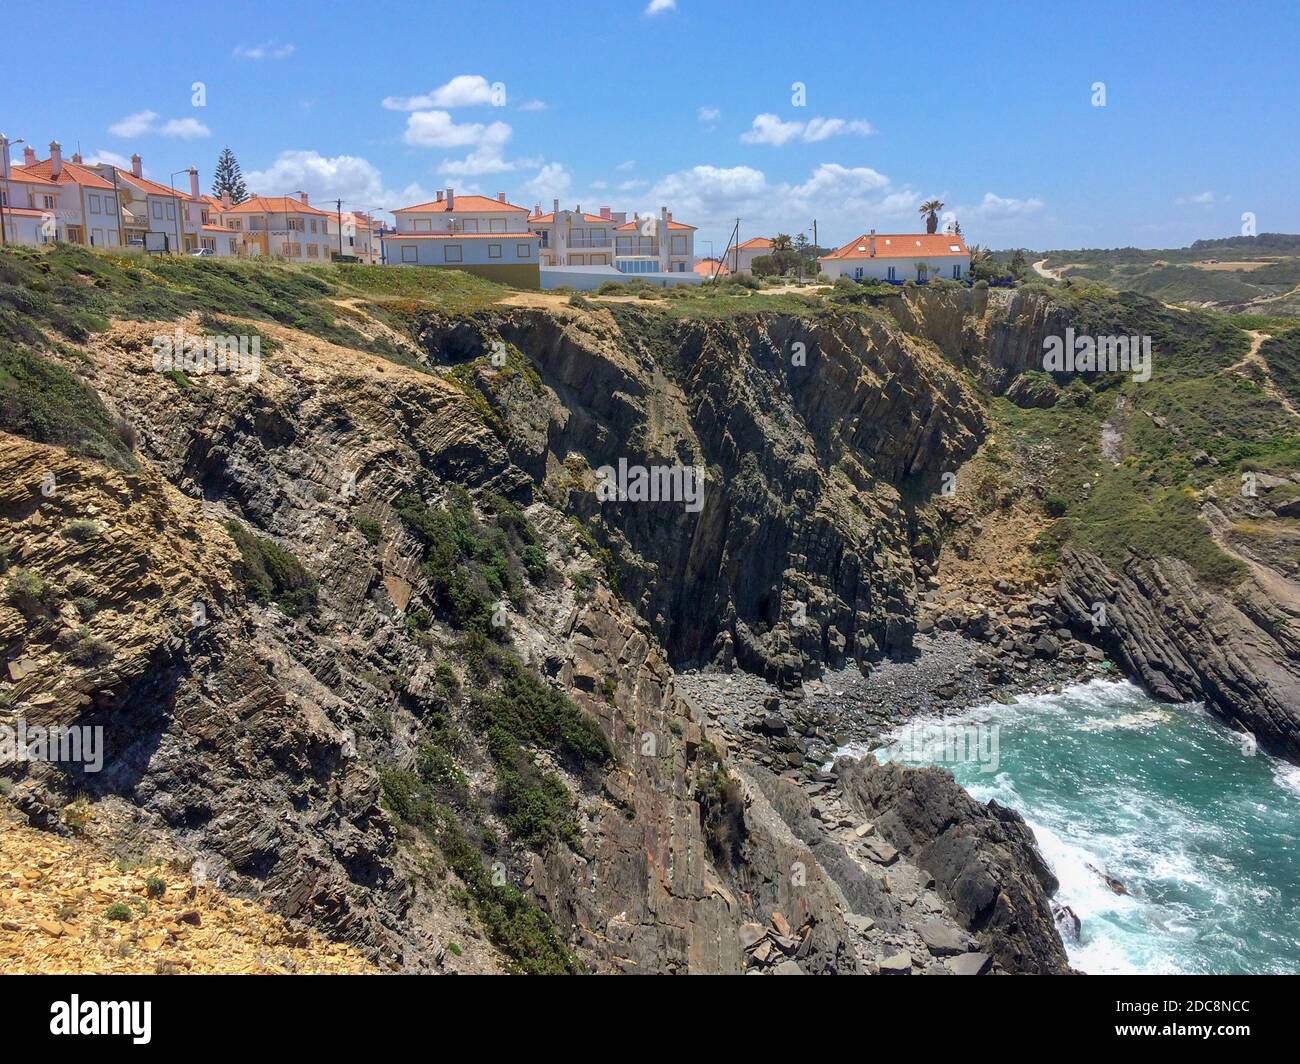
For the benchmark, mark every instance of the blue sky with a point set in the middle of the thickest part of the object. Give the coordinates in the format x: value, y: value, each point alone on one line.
x: 692, y: 104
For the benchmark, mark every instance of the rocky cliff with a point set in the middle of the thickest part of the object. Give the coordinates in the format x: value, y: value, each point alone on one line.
x: 367, y: 643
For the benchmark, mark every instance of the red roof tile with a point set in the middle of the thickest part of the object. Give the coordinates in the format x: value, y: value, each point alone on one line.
x: 901, y: 246
x: 274, y: 205
x: 71, y: 174
x: 468, y: 203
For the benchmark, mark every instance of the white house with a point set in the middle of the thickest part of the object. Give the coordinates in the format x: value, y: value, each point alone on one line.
x: 28, y: 204
x: 899, y: 257
x: 477, y: 234
x: 741, y: 259
x: 654, y: 245
x: 86, y: 210
x: 281, y: 227
x: 573, y: 238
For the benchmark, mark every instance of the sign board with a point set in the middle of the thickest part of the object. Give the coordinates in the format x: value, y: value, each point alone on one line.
x: 156, y: 243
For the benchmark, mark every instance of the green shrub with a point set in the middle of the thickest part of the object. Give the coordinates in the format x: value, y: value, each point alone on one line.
x: 89, y: 649
x: 154, y: 887
x: 81, y: 530
x: 270, y: 573
x: 28, y: 591
x: 369, y: 527
x: 119, y: 911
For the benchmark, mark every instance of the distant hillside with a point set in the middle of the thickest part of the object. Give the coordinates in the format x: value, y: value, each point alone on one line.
x: 1256, y: 275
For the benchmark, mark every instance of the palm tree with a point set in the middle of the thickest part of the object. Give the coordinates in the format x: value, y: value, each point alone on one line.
x: 979, y: 255
x: 781, y: 242
x: 931, y: 209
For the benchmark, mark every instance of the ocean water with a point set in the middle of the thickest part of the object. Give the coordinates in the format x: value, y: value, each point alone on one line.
x: 1203, y: 832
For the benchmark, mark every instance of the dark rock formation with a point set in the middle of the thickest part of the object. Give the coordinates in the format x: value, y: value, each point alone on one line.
x: 983, y: 857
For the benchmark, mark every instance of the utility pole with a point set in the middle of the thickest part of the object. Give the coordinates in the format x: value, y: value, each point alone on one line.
x: 338, y: 209
x: 815, y: 244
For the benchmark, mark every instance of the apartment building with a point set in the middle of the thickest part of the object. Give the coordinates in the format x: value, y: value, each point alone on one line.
x: 28, y: 204
x: 650, y: 244
x: 572, y: 238
x: 361, y: 237
x: 86, y: 205
x: 477, y: 234
x: 150, y: 207
x: 281, y: 227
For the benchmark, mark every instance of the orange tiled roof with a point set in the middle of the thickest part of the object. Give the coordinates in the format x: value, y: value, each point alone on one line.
x: 151, y: 188
x: 17, y: 173
x: 274, y: 205
x: 461, y: 236
x: 469, y: 203
x: 901, y: 246
x: 755, y: 243
x: 548, y: 219
x: 71, y: 174
x: 705, y: 268
x: 628, y: 226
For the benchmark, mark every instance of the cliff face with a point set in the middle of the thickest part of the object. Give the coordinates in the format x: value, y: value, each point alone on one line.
x: 347, y: 624
x: 817, y: 437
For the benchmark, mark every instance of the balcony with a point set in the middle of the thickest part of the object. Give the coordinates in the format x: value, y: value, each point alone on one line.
x: 589, y: 243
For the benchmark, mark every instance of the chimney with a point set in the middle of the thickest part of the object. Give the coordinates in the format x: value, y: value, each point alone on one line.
x: 871, y: 244
x: 56, y: 159
x: 137, y: 168
x: 604, y: 214
x: 29, y: 156
x: 302, y: 196
x: 226, y: 201
x: 537, y: 209
x: 194, y: 183
x: 578, y: 207
x: 4, y: 157
x: 670, y: 216
x: 439, y: 199
x: 501, y: 197
x: 451, y: 199
x: 555, y: 206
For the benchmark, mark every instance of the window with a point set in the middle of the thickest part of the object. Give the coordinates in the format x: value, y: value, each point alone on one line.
x: 545, y: 234
x: 171, y: 209
x: 109, y: 204
x: 295, y: 224
x: 857, y: 273
x: 423, y: 225
x: 313, y: 252
x: 4, y: 198
x: 258, y: 223
x: 469, y: 225
x: 497, y: 225
x: 47, y: 202
x: 209, y: 243
x: 313, y: 225
x: 956, y: 272
x: 679, y: 245
x: 522, y: 250
x: 97, y: 238
x: 451, y: 253
x: 94, y: 203
x: 235, y: 224
x: 892, y: 274
x: 410, y: 253
x: 494, y: 251
x: 156, y: 209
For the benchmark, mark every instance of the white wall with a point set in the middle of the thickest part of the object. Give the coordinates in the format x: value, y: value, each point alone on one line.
x: 516, y: 248
x: 904, y: 268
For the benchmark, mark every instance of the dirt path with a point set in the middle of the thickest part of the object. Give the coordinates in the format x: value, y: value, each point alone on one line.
x: 1253, y: 358
x: 1041, y: 268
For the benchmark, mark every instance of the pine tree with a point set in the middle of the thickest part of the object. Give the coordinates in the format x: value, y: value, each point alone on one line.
x: 228, y: 178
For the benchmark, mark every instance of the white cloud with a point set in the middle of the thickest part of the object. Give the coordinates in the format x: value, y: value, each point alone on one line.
x: 185, y: 128
x: 845, y: 201
x: 708, y: 114
x: 658, y: 7
x: 599, y: 186
x: 1203, y: 199
x: 350, y: 178
x: 627, y: 164
x: 1000, y: 208
x: 769, y: 129
x: 436, y: 129
x: 265, y: 50
x: 631, y: 184
x: 113, y: 159
x: 533, y: 105
x: 464, y: 90
x: 552, y: 181
x: 133, y: 125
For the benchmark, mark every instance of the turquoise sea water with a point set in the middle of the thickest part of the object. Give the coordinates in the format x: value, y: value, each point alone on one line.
x: 1204, y: 834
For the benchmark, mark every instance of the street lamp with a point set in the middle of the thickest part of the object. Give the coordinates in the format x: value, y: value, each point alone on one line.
x: 172, y: 181
x: 4, y: 192
x: 370, y: 225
